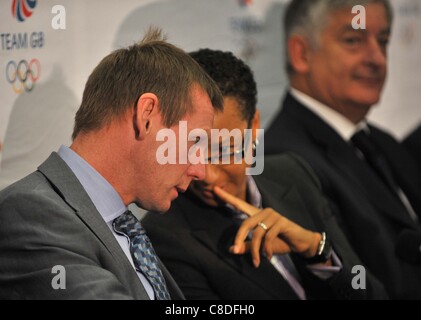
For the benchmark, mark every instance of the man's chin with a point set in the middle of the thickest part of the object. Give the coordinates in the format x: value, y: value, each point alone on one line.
x: 210, y: 202
x: 156, y: 207
x: 367, y: 97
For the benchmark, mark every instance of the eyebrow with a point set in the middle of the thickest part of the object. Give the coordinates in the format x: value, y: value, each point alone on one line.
x: 348, y: 28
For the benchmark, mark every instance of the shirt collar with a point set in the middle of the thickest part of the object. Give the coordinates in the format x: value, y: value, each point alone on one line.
x: 254, y: 195
x: 105, y: 198
x: 343, y: 126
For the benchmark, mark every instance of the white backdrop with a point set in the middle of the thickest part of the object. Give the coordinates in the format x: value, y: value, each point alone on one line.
x: 33, y: 123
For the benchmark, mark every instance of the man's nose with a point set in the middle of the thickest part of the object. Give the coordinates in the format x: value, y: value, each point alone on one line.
x: 211, y: 174
x: 197, y: 171
x: 376, y: 53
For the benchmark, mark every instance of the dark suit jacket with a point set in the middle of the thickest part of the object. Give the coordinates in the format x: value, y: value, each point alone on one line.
x: 371, y: 216
x: 193, y: 241
x: 413, y: 145
x: 47, y: 219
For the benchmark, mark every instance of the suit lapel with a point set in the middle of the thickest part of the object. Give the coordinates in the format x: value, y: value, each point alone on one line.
x: 368, y: 183
x: 173, y: 289
x: 372, y: 188
x: 216, y: 229
x: 348, y: 165
x: 287, y: 202
x: 69, y: 188
x: 404, y: 169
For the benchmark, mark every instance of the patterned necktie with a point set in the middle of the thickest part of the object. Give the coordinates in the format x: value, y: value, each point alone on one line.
x: 143, y: 254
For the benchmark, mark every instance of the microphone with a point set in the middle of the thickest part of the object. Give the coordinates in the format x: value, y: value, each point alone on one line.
x: 408, y: 246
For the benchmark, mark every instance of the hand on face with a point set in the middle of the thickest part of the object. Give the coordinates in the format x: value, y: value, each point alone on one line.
x: 272, y: 232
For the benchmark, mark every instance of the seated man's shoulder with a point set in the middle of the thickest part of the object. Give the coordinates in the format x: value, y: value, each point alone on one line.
x: 396, y: 152
x: 33, y: 190
x: 289, y: 167
x: 34, y: 203
x: 379, y: 133
x: 413, y: 140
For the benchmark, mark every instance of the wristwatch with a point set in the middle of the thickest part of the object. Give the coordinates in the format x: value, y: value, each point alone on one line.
x: 324, y: 251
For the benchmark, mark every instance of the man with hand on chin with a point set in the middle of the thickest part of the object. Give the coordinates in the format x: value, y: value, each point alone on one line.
x: 221, y: 226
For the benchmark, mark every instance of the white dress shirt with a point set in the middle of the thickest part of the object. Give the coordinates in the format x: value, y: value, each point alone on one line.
x: 342, y: 125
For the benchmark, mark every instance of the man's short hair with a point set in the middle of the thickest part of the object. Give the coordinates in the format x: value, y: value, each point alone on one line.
x: 309, y: 17
x: 151, y: 65
x: 233, y: 77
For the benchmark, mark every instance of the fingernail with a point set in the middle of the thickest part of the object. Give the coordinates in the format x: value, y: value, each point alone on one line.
x: 255, y: 263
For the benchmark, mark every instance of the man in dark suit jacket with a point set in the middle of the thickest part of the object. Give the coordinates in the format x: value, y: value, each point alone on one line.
x: 204, y: 248
x: 413, y: 145
x: 336, y: 74
x: 65, y: 229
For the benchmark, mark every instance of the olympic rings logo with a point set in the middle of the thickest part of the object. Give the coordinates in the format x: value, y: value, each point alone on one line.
x: 23, y: 75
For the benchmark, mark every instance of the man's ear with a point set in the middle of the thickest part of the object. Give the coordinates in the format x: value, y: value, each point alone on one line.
x: 299, y: 50
x: 255, y: 124
x: 144, y: 115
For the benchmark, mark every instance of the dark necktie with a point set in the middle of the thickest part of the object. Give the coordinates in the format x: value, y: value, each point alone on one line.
x: 143, y: 254
x: 363, y: 142
x: 379, y: 164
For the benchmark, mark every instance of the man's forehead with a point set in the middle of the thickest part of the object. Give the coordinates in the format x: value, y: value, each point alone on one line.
x: 347, y: 27
x: 347, y: 14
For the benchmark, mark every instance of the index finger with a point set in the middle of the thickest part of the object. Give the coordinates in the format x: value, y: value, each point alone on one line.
x: 236, y: 202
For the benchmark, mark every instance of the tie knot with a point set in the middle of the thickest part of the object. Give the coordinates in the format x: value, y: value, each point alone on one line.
x: 128, y: 224
x: 360, y: 135
x: 362, y: 140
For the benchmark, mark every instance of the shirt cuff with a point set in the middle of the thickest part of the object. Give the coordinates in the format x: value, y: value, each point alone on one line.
x: 325, y: 272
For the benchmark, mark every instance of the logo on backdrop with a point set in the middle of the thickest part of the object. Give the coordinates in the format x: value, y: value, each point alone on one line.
x: 23, y: 9
x: 245, y: 3
x: 23, y: 75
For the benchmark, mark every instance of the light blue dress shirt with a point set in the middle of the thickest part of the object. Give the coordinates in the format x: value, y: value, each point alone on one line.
x: 107, y: 201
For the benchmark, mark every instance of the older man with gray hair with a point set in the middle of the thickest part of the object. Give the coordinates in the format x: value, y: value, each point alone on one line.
x: 337, y: 66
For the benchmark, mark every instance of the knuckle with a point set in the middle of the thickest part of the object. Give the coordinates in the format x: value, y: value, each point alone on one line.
x: 247, y: 224
x: 269, y: 236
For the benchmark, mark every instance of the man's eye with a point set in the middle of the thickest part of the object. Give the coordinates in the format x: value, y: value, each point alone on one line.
x: 197, y: 140
x: 383, y: 42
x: 352, y: 40
x: 226, y: 150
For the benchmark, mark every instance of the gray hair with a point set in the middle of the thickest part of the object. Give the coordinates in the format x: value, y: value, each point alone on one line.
x: 308, y: 18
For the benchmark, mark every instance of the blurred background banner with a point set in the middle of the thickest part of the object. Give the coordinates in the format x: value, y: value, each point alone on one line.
x: 48, y: 49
